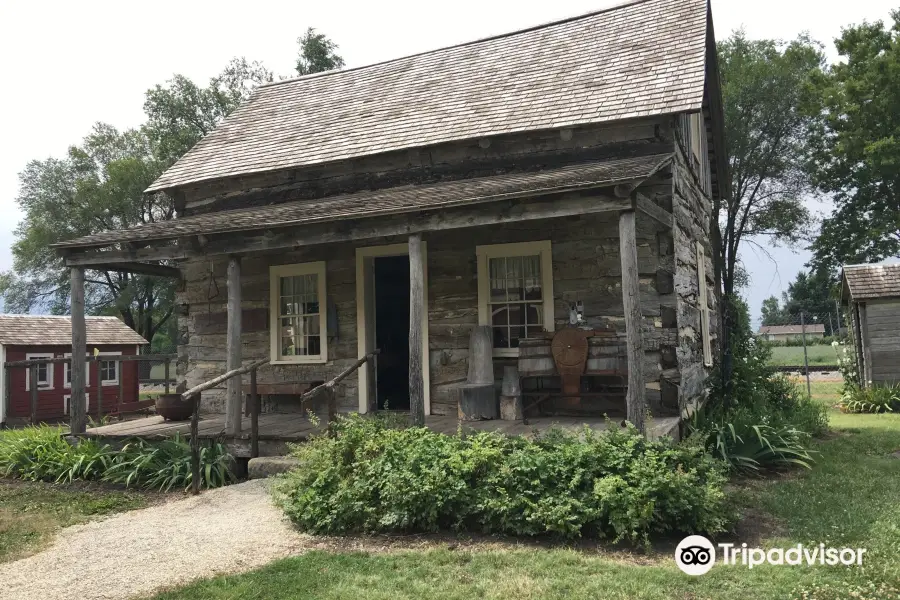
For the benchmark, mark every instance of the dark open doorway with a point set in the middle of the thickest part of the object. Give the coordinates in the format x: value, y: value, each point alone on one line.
x: 392, y: 331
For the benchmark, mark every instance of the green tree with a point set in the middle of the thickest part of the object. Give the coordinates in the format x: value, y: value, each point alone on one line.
x: 180, y: 112
x: 98, y: 186
x: 771, y: 312
x: 317, y: 54
x: 811, y: 294
x: 765, y: 84
x: 856, y: 147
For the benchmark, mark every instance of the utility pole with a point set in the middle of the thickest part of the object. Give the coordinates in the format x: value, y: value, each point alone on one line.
x: 805, y: 357
x: 837, y: 311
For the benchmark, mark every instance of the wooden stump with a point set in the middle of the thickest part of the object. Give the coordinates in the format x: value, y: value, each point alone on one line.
x: 477, y: 402
x: 481, y: 356
x: 510, y: 395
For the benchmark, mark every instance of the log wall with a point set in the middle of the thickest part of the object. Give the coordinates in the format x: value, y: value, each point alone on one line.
x: 586, y: 262
x: 586, y: 267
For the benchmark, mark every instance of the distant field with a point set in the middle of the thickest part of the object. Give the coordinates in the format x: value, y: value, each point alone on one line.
x: 793, y: 356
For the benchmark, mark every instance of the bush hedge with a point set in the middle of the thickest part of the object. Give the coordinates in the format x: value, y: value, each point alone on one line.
x: 42, y: 454
x: 372, y: 477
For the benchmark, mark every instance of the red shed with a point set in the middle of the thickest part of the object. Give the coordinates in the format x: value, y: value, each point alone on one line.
x: 24, y: 337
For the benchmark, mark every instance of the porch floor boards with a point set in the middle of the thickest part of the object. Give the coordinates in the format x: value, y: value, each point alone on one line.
x: 295, y: 427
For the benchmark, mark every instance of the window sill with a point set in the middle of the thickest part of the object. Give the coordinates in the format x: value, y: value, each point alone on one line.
x: 110, y: 382
x: 312, y: 360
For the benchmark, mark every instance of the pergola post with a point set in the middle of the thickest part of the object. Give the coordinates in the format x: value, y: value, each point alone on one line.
x: 233, y: 348
x: 416, y: 299
x: 78, y: 422
x: 636, y: 401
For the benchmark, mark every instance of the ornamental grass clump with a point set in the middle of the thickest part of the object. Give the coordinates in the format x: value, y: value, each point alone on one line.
x: 369, y: 477
x: 42, y: 453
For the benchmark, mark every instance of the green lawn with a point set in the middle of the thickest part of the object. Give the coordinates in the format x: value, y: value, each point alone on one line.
x: 792, y: 356
x: 848, y: 499
x: 31, y: 512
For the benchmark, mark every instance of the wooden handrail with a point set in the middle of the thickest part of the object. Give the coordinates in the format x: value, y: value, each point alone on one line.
x: 341, y: 376
x: 222, y: 378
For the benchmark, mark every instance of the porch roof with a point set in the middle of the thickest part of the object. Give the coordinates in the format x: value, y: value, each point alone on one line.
x: 388, y: 201
x: 638, y: 59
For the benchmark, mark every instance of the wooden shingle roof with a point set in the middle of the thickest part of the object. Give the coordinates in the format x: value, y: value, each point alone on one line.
x: 47, y: 330
x: 638, y: 59
x: 872, y: 281
x: 395, y: 200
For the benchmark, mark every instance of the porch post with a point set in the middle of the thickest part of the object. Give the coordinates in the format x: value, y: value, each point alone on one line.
x: 416, y: 298
x: 631, y: 300
x: 78, y: 422
x: 233, y: 348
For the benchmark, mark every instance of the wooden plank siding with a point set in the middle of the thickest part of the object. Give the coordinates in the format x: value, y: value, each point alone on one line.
x: 883, y: 340
x: 51, y: 399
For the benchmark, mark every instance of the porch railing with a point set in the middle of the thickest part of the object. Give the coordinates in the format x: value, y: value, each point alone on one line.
x: 252, y: 368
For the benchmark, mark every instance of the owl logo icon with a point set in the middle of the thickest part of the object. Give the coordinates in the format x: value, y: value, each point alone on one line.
x: 695, y: 555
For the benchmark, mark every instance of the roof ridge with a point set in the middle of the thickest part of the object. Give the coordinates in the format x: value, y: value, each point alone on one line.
x: 617, y: 6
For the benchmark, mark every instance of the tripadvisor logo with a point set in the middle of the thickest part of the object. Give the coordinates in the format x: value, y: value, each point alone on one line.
x: 696, y: 555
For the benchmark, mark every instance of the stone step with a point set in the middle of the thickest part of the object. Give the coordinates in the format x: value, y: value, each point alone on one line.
x: 267, y: 466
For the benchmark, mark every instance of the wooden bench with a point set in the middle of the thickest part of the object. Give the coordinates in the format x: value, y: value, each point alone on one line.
x: 282, y: 388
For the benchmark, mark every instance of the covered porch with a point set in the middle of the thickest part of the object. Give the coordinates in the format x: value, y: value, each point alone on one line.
x: 600, y: 235
x: 277, y: 430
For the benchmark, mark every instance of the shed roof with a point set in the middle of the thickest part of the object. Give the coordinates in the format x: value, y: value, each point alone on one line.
x: 871, y: 281
x: 638, y: 59
x: 395, y: 200
x: 791, y: 329
x: 47, y: 330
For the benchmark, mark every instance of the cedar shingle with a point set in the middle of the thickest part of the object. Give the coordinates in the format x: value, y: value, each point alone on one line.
x: 635, y: 60
x: 389, y: 201
x: 46, y: 330
x: 872, y: 281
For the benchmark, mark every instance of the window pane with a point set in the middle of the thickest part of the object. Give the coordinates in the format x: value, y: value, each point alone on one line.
x: 515, y: 334
x: 499, y: 315
x: 288, y: 327
x: 501, y: 337
x: 516, y: 314
x: 534, y: 314
x: 498, y: 279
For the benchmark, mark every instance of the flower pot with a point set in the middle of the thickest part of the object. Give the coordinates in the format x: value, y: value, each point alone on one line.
x: 172, y: 408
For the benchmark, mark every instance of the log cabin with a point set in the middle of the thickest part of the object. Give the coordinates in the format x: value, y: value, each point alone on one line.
x: 539, y: 200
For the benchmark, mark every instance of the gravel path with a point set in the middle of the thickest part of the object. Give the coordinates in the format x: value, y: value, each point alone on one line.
x: 231, y: 529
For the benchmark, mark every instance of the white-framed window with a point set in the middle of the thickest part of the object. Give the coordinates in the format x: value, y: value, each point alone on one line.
x: 515, y: 292
x: 67, y: 401
x: 44, y: 372
x: 298, y: 313
x: 67, y: 374
x: 109, y: 369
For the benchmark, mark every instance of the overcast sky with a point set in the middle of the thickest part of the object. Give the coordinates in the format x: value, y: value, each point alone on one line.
x: 71, y: 64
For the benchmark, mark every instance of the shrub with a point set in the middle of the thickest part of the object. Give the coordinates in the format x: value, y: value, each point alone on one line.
x: 370, y: 477
x: 759, y: 419
x: 42, y: 453
x: 875, y: 399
